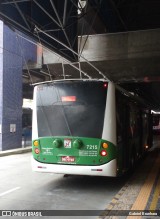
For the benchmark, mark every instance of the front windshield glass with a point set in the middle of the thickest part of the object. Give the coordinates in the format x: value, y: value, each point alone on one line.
x: 71, y: 108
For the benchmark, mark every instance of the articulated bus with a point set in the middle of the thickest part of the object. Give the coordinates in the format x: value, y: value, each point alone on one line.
x: 88, y: 127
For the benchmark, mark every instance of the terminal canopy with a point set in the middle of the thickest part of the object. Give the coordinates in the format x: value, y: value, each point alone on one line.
x: 49, y: 22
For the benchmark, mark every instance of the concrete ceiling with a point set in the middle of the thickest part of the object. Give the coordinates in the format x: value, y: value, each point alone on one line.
x: 131, y: 56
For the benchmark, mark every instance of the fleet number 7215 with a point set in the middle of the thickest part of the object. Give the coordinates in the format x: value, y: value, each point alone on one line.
x: 92, y: 147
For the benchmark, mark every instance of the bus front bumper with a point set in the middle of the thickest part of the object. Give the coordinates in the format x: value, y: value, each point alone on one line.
x: 109, y: 169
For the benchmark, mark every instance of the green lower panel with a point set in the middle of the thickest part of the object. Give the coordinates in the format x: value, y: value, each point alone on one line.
x: 73, y: 150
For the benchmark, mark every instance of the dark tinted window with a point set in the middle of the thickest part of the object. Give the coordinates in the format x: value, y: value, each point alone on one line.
x: 71, y: 109
x: 156, y: 119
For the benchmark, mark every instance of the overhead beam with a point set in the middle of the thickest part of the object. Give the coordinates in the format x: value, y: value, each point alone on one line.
x: 23, y: 17
x: 15, y: 1
x: 46, y: 12
x: 26, y: 14
x: 61, y: 24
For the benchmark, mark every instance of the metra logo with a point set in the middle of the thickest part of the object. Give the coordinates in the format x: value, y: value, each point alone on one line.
x: 92, y: 147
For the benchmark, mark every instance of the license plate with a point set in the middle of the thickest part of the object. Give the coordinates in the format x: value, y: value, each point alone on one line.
x: 68, y: 159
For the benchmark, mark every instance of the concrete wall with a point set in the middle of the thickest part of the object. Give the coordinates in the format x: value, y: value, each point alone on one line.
x: 128, y: 45
x: 119, y: 46
x: 12, y: 91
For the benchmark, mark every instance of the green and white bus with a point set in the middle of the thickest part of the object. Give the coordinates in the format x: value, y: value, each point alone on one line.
x: 87, y: 127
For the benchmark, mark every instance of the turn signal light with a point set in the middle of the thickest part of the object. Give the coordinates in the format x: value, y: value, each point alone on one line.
x: 37, y: 151
x: 36, y: 143
x: 103, y: 153
x: 105, y: 145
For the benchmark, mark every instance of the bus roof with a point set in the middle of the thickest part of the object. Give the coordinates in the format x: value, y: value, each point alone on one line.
x: 61, y: 80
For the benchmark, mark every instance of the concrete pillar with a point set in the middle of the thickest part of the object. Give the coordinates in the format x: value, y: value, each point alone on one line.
x: 1, y: 79
x: 12, y: 61
x: 11, y: 91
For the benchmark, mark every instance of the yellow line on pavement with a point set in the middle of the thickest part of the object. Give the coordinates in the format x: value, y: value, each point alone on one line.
x: 155, y: 196
x: 146, y: 189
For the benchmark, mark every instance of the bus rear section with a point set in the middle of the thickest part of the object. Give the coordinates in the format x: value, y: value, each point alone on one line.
x: 68, y: 126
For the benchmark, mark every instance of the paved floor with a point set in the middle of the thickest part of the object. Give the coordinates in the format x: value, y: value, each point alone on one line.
x: 140, y: 197
x: 21, y: 189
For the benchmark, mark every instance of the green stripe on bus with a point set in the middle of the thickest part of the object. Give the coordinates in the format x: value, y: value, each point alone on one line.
x: 74, y: 150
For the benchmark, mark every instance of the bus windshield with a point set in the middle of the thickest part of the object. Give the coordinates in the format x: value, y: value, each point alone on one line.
x: 71, y: 108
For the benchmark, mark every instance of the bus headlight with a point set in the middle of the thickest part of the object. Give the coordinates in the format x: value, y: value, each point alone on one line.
x: 103, y: 153
x: 104, y: 145
x: 36, y: 143
x: 37, y: 151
